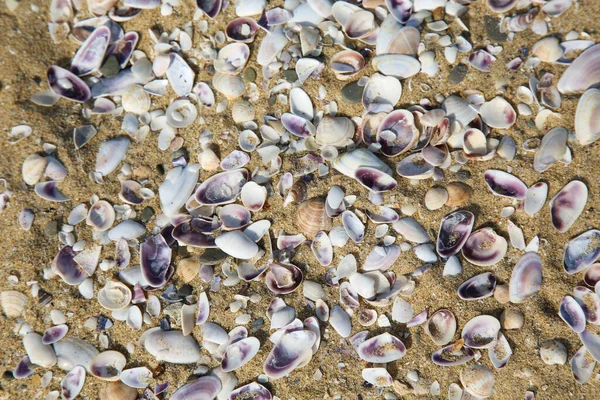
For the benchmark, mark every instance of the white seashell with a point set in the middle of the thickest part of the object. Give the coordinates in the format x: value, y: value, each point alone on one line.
x: 180, y: 75
x: 568, y: 204
x: 110, y: 154
x: 517, y: 240
x: 271, y: 46
x: 71, y: 351
x: 72, y: 383
x: 339, y: 320
x: 114, y: 295
x: 39, y: 353
x: 377, y: 376
x: 548, y: 49
x: 33, y: 168
x: 138, y: 378
x: 181, y: 113
x: 127, y: 229
x: 108, y: 365
x: 188, y: 318
x: 587, y: 117
x: 136, y: 100
x: 334, y: 131
x: 231, y: 86
x: 553, y: 352
x: 242, y: 112
x: 551, y: 150
x: 582, y: 73
x: 338, y: 236
x: 397, y: 65
x: 381, y: 93
x: 478, y: 381
x: 13, y: 303
x: 536, y: 197
x: 300, y: 104
x: 178, y: 187
x: 411, y: 230
x: 498, y: 113
x: 322, y: 249
x: 452, y: 267
x: 237, y: 245
x: 458, y: 109
x: 134, y: 318
x: 172, y: 347
x: 253, y: 196
x: 402, y: 311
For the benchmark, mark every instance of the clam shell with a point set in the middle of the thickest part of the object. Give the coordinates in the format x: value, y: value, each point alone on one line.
x: 90, y: 55
x: 346, y: 64
x: 206, y: 387
x: 353, y: 226
x: 155, y: 260
x: 441, y: 327
x: 454, y: 354
x: 108, y: 365
x: 248, y: 140
x: 54, y: 334
x: 587, y: 122
x: 455, y: 229
x: 381, y: 258
x: 411, y: 230
x: 535, y: 198
x: 478, y: 381
x: 72, y: 383
x: 591, y: 342
x: 481, y: 332
x: 582, y: 73
x: 478, y: 287
x: 71, y: 351
x: 299, y: 126
x: 33, y: 168
x: 582, y: 366
x: 292, y: 350
x: 232, y: 58
x: 127, y: 229
x: 64, y: 266
x: 177, y: 187
x: 582, y: 251
x: 251, y: 391
x: 589, y: 303
x: 242, y: 29
x: 505, y: 185
x: 239, y: 353
x: 500, y: 353
x: 13, y: 303
x: 101, y: 216
x: 571, y: 312
x: 49, y: 191
x: 399, y: 66
x: 68, y: 85
x: 381, y: 93
x: 38, y: 352
x: 193, y: 233
x: 568, y: 204
x: 501, y: 6
x: 526, y: 278
x: 415, y: 167
x: 180, y: 75
x: 110, y: 154
x: 382, y: 215
x: 340, y: 321
x: 139, y: 377
x: 234, y: 216
x: 334, y: 131
x: 397, y: 133
x: 114, y: 296
x: 311, y: 217
x: 482, y: 60
x: 181, y: 113
x: 592, y: 275
x: 172, y: 347
x: 231, y: 86
x: 484, y: 247
x: 351, y: 161
x: 283, y: 278
x: 237, y: 245
x: 221, y: 188
x: 551, y: 150
x: 253, y: 196
x: 377, y: 376
x: 322, y: 249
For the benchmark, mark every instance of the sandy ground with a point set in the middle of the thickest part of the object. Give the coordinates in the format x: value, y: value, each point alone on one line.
x: 25, y: 52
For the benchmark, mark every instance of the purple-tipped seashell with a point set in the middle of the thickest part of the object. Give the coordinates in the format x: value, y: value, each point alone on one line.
x: 397, y: 133
x: 221, y: 188
x: 294, y: 348
x: 501, y: 6
x: 234, y: 160
x: 91, y: 53
x: 239, y: 353
x: 180, y: 75
x: 452, y: 355
x: 161, y: 387
x: 441, y: 327
x: 526, y: 278
x: 54, y: 334
x: 203, y: 309
x: 155, y: 260
x: 582, y: 251
x: 481, y: 332
x: 322, y: 249
x: 234, y: 216
x: 418, y: 319
x: 83, y: 134
x: 251, y: 391
x: 455, y: 229
x: 382, y: 348
x: 504, y: 184
x: 122, y: 14
x: 382, y: 215
x: 297, y: 125
x: 583, y: 73
x: 49, y: 191
x: 188, y: 234
x: 115, y: 84
x: 353, y: 226
x: 72, y: 383
x: 348, y: 296
x: 138, y: 378
x: 290, y: 241
x: 589, y: 303
x: 500, y: 352
x: 130, y: 192
x: 273, y: 17
x: 366, y: 317
x: 592, y: 275
x: 23, y: 369
x: 210, y: 7
x: 142, y: 4
x: 65, y: 267
x: 481, y: 60
x: 591, y: 342
x: 123, y: 49
x: 582, y: 366
x: 551, y: 150
x: 283, y: 278
x: 478, y: 287
x: 68, y: 85
x: 414, y: 166
x: 401, y: 10
x: 567, y: 205
x: 334, y: 203
x: 375, y: 180
x: 206, y: 387
x: 571, y: 312
x: 242, y: 29
x: 484, y: 247
x: 26, y: 217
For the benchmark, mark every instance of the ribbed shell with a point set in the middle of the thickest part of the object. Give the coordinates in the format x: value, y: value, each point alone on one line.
x: 311, y: 217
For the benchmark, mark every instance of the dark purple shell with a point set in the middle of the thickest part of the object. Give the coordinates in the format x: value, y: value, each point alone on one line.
x: 210, y: 7
x: 568, y: 204
x: 452, y: 355
x: 235, y: 30
x: 65, y: 267
x: 501, y: 6
x: 401, y: 10
x: 68, y: 85
x: 582, y: 251
x: 290, y: 351
x: 221, y: 188
x: 455, y: 229
x: 251, y: 391
x: 123, y: 49
x: 204, y: 388
x: 283, y: 278
x: 155, y: 260
x: 54, y: 334
x: 592, y: 275
x: 478, y: 287
x: 505, y: 185
x: 23, y: 369
x: 90, y: 55
x: 190, y: 233
x: 571, y: 312
x: 375, y: 180
x: 401, y: 124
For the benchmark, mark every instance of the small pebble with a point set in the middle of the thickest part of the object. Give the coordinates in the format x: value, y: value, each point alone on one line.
x: 492, y: 27
x: 249, y: 74
x: 51, y: 228
x: 352, y: 93
x: 110, y: 67
x: 511, y: 318
x: 457, y: 74
x: 553, y: 352
x: 290, y: 75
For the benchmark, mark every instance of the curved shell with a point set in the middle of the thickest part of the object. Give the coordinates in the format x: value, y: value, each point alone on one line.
x: 108, y: 365
x: 582, y: 251
x: 221, y: 188
x: 68, y: 85
x: 101, y: 216
x: 334, y: 131
x: 441, y: 326
x: 181, y: 113
x: 587, y: 117
x: 292, y: 349
x: 397, y: 133
x: 582, y: 73
x: 498, y: 113
x: 382, y: 348
x: 582, y: 365
x: 353, y: 226
x: 415, y: 167
x: 72, y: 383
x: 551, y: 150
x: 453, y: 354
x: 237, y: 245
x: 114, y: 296
x: 481, y: 332
x: 136, y: 100
x: 232, y: 58
x: 505, y: 185
x: 484, y: 247
x: 239, y: 353
x: 568, y: 204
x: 322, y: 249
x: 500, y: 6
x: 399, y: 66
x: 478, y: 381
x: 478, y: 287
x: 242, y: 29
x: 500, y: 353
x: 251, y: 391
x: 65, y: 266
x: 231, y: 86
x: 526, y: 278
x: 155, y: 260
x: 571, y: 312
x: 346, y: 64
x: 455, y: 230
x: 311, y: 217
x: 33, y: 168
x: 351, y: 161
x: 283, y: 278
x: 13, y: 303
x: 234, y: 216
x: 381, y: 93
x: 205, y: 387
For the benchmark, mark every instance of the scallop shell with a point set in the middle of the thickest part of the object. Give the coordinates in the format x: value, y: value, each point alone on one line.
x: 334, y: 131
x: 136, y: 100
x: 526, y: 278
x: 311, y: 217
x: 114, y: 295
x: 568, y: 204
x: 293, y: 349
x: 33, y: 168
x: 231, y: 86
x: 13, y: 303
x: 478, y: 381
x: 587, y: 120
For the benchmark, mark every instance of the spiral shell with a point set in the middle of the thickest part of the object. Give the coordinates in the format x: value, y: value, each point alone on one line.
x: 312, y: 218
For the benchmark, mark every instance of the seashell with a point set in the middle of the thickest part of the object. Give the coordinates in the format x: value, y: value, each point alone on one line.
x: 592, y: 275
x: 455, y: 230
x: 118, y: 390
x: 553, y: 352
x: 349, y: 162
x: 71, y: 352
x: 180, y: 75
x: 411, y: 230
x: 237, y: 245
x: 418, y: 319
x: 211, y: 8
x: 454, y: 354
x: 359, y: 25
x: 587, y: 128
x: 500, y: 353
x: 535, y: 198
x: 300, y: 104
x: 101, y: 216
x: 478, y: 287
x: 526, y: 278
x: 248, y: 140
x: 242, y: 30
x: 381, y: 258
x: 415, y: 167
x: 551, y: 150
x: 478, y: 381
x: 283, y: 278
x: 441, y: 327
x: 232, y: 58
x: 271, y: 46
x: 54, y: 334
x: 234, y: 216
x: 401, y: 311
x: 346, y: 64
x: 481, y: 332
x: 206, y: 97
x: 251, y: 391
x: 334, y: 203
x: 172, y: 346
x: 452, y: 267
x: 322, y: 249
x: 127, y: 229
x: 33, y: 168
x: 231, y: 86
x: 221, y: 188
x: 311, y: 217
x: 482, y: 60
x: 504, y: 184
x: 582, y: 73
x: 181, y: 113
x: 582, y: 251
x: 139, y: 377
x: 205, y: 387
x: 406, y: 41
x: 110, y: 154
x: 38, y: 352
x: 591, y: 342
x: 155, y: 260
x: 177, y: 187
x: 353, y: 226
x: 500, y: 6
x: 72, y: 383
x: 49, y: 191
x: 377, y: 376
x: 90, y: 55
x: 511, y: 318
x: 397, y: 133
x: 136, y: 100
x: 108, y: 365
x: 567, y: 205
x: 484, y: 247
x: 64, y: 266
x: 292, y: 350
x: 498, y: 113
x: 68, y: 85
x: 114, y: 295
x: 257, y: 229
x: 253, y: 196
x: 571, y: 312
x: 242, y: 112
x: 458, y: 194
x: 399, y: 66
x: 582, y: 365
x: 297, y: 126
x: 340, y: 321
x: 381, y: 93
x: 334, y: 131
x: 13, y: 303
x: 383, y: 215
x: 475, y: 142
x: 548, y: 49
x: 239, y: 353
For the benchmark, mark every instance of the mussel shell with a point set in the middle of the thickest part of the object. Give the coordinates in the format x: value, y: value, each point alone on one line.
x: 478, y: 287
x: 484, y: 247
x: 582, y: 251
x: 481, y: 332
x: 68, y: 85
x: 221, y: 188
x: 526, y: 278
x: 455, y: 229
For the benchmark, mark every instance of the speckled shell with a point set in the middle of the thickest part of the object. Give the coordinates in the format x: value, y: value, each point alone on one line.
x: 312, y: 218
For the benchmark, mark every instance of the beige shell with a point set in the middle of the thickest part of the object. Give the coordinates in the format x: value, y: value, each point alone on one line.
x: 118, y: 391
x: 298, y: 192
x: 136, y: 100
x: 334, y: 131
x: 188, y: 269
x: 242, y: 111
x: 33, y: 168
x: 13, y: 303
x: 458, y: 194
x: 108, y: 365
x: 114, y: 296
x: 478, y: 381
x: 231, y: 86
x: 311, y: 217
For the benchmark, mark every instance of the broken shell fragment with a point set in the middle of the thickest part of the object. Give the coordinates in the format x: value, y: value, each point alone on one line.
x: 110, y: 154
x: 453, y: 354
x: 478, y: 381
x: 500, y: 353
x: 484, y: 247
x: 114, y: 296
x: 568, y: 204
x: 108, y: 365
x: 251, y: 391
x: 551, y: 150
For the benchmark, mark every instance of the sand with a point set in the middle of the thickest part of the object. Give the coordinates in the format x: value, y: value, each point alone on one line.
x: 25, y: 52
